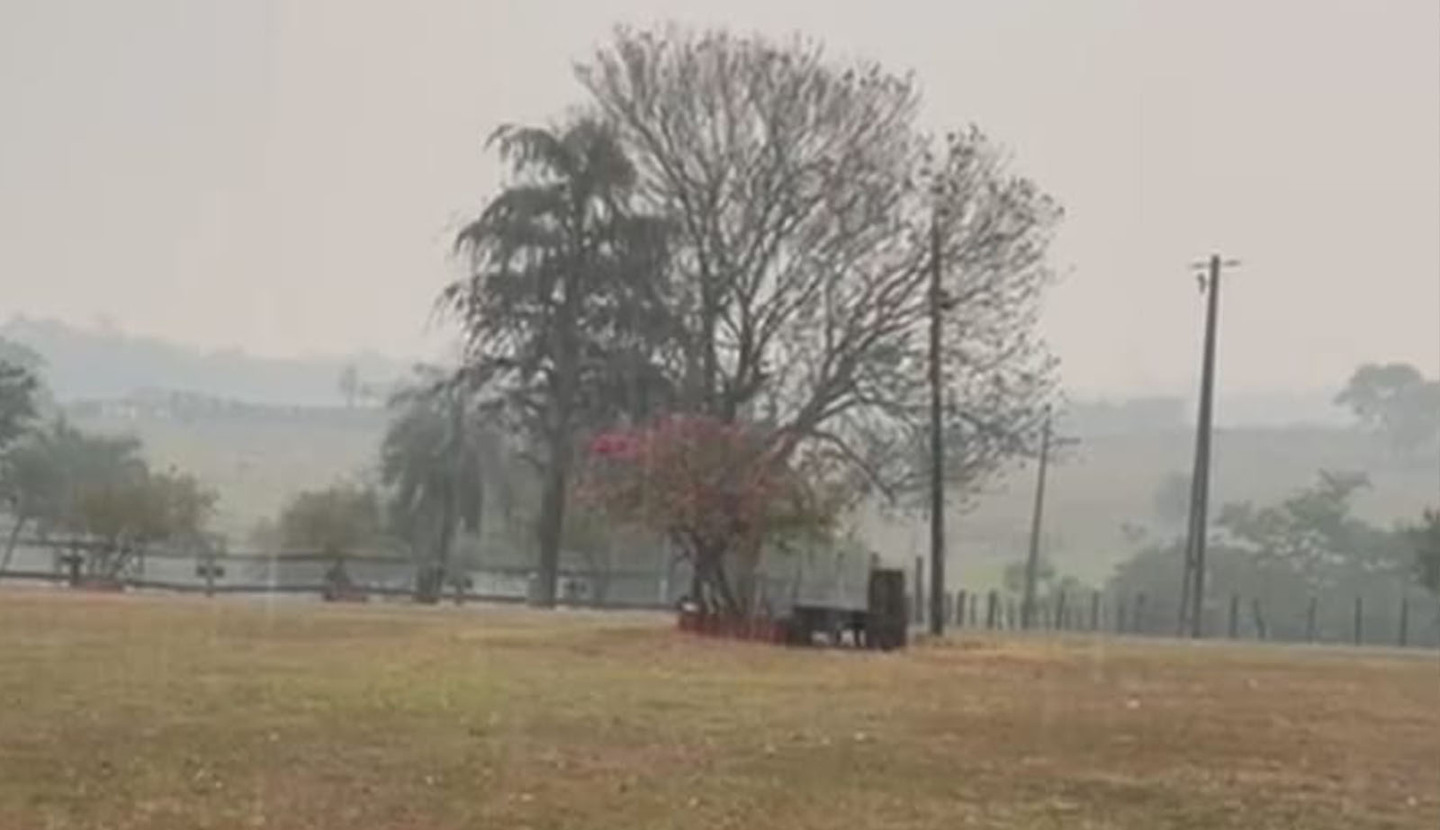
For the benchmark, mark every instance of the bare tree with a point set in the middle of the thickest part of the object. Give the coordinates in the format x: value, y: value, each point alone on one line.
x: 801, y: 198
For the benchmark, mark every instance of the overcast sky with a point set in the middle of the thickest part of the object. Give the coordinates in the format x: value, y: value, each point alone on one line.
x: 285, y: 176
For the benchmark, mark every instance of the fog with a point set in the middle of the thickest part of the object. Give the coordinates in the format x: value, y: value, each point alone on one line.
x: 286, y: 177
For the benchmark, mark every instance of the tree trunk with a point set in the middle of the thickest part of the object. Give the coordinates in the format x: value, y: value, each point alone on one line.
x: 447, y: 542
x: 11, y: 542
x: 432, y: 582
x: 552, y: 523
x: 715, y: 576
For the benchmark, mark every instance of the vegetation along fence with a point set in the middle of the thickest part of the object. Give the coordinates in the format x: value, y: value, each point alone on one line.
x: 1404, y: 621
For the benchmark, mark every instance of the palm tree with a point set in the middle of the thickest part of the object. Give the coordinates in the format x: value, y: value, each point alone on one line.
x: 435, y: 458
x: 564, y: 305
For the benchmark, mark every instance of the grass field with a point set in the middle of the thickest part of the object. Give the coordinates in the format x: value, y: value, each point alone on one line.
x: 131, y: 712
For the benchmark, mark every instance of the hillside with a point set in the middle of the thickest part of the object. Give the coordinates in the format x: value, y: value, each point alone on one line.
x: 102, y: 363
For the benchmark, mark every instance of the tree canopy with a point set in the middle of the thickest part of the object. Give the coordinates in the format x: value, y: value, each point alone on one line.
x: 740, y: 232
x: 1395, y: 401
x: 18, y: 387
x: 722, y: 492
x: 436, y: 459
x: 1424, y: 538
x: 560, y: 302
x: 1313, y: 532
x: 100, y: 487
x: 1308, y: 545
x: 801, y: 196
x: 335, y: 521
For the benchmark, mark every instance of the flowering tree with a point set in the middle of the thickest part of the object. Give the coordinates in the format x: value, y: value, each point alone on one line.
x: 720, y: 491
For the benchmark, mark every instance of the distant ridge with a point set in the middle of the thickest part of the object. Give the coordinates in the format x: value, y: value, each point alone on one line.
x: 99, y: 364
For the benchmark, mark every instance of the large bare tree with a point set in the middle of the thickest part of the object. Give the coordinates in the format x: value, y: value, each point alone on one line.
x: 802, y: 199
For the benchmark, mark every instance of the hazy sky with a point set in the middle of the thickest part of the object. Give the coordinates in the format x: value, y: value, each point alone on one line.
x: 286, y: 176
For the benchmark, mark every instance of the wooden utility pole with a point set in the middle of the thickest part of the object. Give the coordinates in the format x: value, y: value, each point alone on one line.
x: 1032, y: 560
x: 1193, y: 587
x: 937, y: 444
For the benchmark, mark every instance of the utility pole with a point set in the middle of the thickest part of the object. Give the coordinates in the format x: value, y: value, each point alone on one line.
x: 937, y: 444
x: 1032, y: 561
x: 1193, y: 588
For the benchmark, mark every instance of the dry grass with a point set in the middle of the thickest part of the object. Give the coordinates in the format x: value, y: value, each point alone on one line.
x: 131, y: 712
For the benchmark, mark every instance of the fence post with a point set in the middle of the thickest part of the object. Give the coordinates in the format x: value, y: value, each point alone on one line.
x: 1359, y: 624
x: 1009, y: 617
x: 73, y: 562
x: 1060, y: 611
x: 1095, y: 611
x: 991, y: 610
x: 1120, y: 615
x: 1234, y: 616
x: 1404, y: 636
x: 1259, y: 619
x: 960, y: 608
x: 1139, y: 622
x: 1310, y: 620
x: 919, y: 590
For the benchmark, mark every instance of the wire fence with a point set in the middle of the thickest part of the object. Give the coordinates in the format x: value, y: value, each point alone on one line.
x: 1408, y: 620
x: 1404, y: 622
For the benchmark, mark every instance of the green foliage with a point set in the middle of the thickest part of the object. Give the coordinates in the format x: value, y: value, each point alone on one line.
x: 133, y: 506
x: 1313, y: 533
x: 99, y: 487
x: 1424, y: 538
x: 1397, y: 402
x: 335, y: 521
x: 53, y: 471
x: 560, y: 308
x: 18, y: 387
x: 564, y: 294
x: 1308, y: 545
x: 436, y: 459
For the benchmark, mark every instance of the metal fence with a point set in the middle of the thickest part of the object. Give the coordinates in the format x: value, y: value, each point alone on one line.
x: 811, y: 576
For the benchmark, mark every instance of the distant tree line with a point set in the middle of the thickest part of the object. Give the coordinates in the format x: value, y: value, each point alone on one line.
x: 1397, y: 403
x: 1305, y: 555
x: 94, y: 493
x: 1308, y: 555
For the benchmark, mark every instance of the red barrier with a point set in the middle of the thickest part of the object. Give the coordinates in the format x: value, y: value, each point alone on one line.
x: 102, y: 584
x: 733, y: 628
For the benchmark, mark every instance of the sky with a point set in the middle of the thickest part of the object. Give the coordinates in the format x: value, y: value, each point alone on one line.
x: 285, y: 176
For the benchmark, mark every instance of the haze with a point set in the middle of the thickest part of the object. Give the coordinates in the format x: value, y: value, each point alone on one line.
x: 286, y: 177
